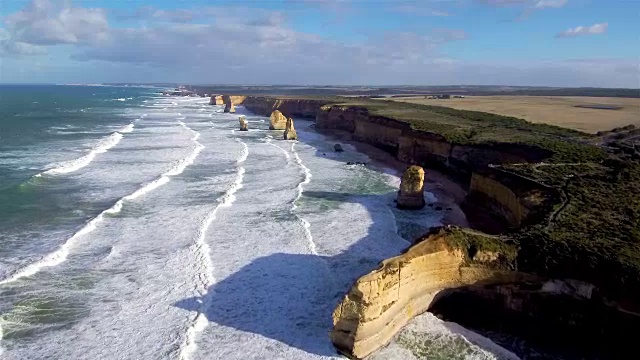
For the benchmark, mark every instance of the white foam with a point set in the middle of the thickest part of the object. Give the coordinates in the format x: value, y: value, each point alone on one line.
x: 59, y: 256
x: 442, y: 335
x: 127, y: 129
x: 76, y: 164
x: 203, y: 256
x: 269, y: 141
x: 305, y: 181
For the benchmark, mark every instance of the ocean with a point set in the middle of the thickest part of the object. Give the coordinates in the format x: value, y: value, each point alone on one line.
x: 141, y: 226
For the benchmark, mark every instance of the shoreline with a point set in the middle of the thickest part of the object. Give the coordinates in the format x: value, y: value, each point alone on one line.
x: 449, y: 193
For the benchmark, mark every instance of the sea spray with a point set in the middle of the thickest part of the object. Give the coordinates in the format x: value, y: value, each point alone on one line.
x: 307, y: 179
x: 59, y: 256
x: 203, y: 256
x: 269, y: 140
x: 76, y: 164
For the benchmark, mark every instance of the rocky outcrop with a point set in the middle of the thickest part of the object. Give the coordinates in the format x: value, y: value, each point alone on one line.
x: 411, y: 193
x: 263, y: 105
x: 216, y: 100
x: 338, y: 148
x: 290, y: 131
x: 380, y: 303
x: 463, y: 162
x: 244, y: 125
x: 277, y: 121
x: 229, y: 106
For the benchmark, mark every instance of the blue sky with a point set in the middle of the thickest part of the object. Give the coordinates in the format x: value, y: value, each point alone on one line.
x: 428, y: 42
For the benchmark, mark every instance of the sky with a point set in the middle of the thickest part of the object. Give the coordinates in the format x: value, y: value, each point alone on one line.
x: 572, y: 43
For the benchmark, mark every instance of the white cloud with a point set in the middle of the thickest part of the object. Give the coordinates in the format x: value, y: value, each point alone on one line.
x: 12, y: 48
x: 541, y: 4
x: 44, y: 22
x: 503, y: 2
x: 250, y: 45
x: 584, y: 30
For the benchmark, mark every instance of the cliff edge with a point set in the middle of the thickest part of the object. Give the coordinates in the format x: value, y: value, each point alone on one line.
x: 380, y: 303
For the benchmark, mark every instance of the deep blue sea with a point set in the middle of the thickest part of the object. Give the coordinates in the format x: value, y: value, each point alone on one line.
x: 140, y: 226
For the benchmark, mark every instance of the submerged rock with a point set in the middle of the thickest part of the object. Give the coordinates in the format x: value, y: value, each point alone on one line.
x: 244, y: 125
x: 278, y: 121
x: 290, y: 131
x: 338, y: 148
x: 411, y: 194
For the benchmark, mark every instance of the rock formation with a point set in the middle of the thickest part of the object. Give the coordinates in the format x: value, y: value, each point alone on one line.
x: 338, y: 148
x: 228, y: 104
x: 411, y: 194
x: 265, y: 105
x: 244, y: 125
x: 290, y: 131
x: 216, y: 100
x: 380, y: 303
x: 278, y: 121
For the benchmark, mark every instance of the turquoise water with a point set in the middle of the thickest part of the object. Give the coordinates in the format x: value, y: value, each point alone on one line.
x: 140, y: 226
x: 42, y: 127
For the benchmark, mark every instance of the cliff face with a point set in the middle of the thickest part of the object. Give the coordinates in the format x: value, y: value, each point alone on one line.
x: 380, y: 303
x: 290, y: 107
x: 514, y: 200
x: 216, y: 100
x: 473, y: 279
x: 434, y: 151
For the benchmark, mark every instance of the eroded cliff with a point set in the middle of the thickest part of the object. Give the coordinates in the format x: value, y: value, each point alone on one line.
x: 474, y: 279
x: 468, y: 163
x: 262, y: 105
x: 380, y: 303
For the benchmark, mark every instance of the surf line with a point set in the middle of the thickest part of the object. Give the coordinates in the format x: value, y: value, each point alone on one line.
x: 60, y: 255
x: 269, y: 140
x: 307, y: 179
x: 102, y: 147
x: 203, y: 256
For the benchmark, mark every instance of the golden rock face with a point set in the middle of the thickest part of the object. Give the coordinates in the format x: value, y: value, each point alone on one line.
x: 411, y: 194
x: 228, y: 104
x: 244, y: 125
x: 278, y: 121
x: 380, y: 303
x: 290, y: 131
x: 216, y: 100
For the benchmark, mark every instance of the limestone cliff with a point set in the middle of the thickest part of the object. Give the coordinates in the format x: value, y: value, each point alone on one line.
x: 216, y: 100
x: 508, y: 207
x: 411, y: 193
x: 229, y: 106
x: 262, y: 105
x: 244, y: 125
x: 380, y: 303
x: 277, y: 121
x: 290, y: 131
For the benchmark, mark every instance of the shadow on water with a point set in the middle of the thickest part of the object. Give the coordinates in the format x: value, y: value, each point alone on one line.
x: 290, y: 297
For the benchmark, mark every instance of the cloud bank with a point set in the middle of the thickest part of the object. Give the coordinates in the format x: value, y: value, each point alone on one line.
x: 584, y: 30
x: 241, y: 45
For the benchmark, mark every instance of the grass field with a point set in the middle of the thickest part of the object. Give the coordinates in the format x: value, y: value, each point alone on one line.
x: 555, y: 110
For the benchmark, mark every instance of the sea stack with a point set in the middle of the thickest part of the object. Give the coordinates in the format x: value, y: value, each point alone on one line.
x: 244, y: 125
x: 228, y: 104
x: 338, y: 148
x: 278, y: 121
x: 411, y: 194
x: 290, y: 131
x: 383, y: 301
